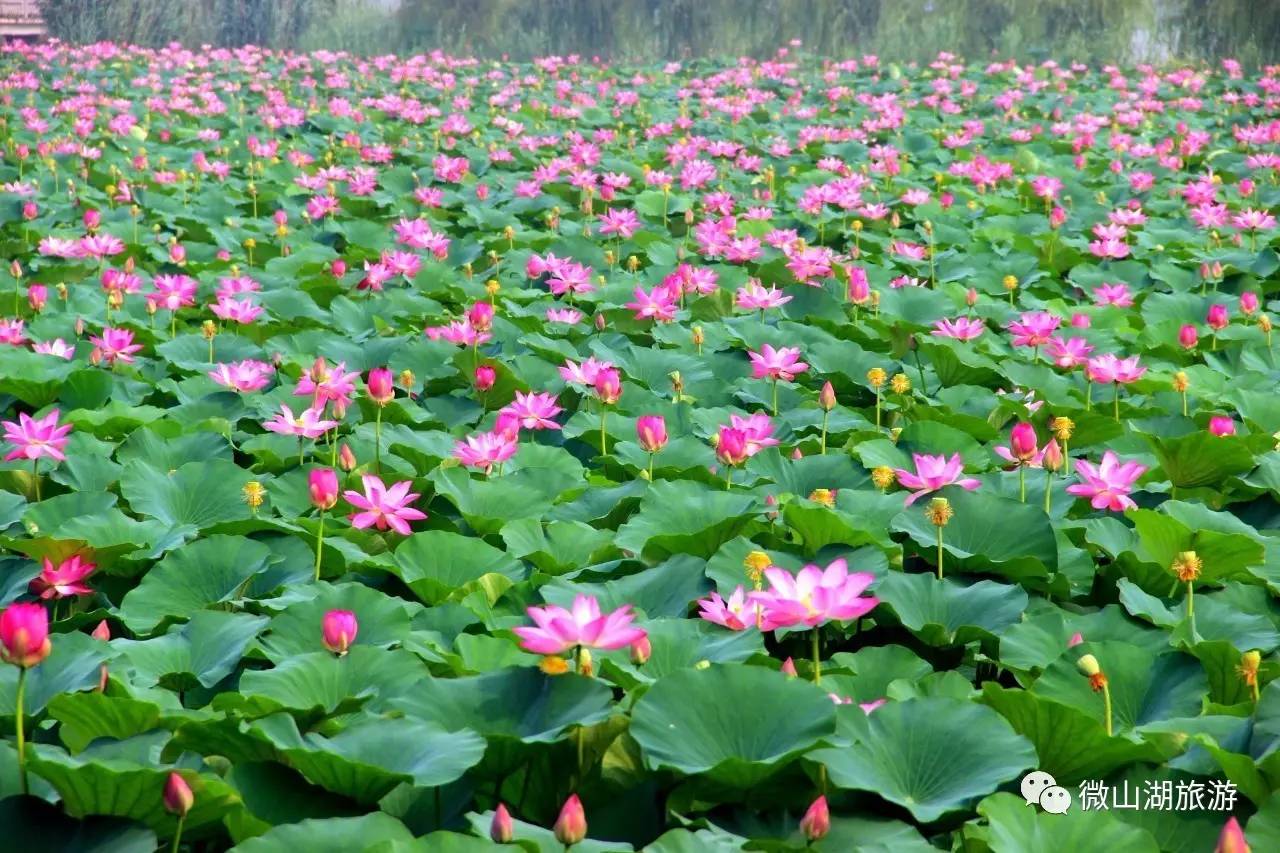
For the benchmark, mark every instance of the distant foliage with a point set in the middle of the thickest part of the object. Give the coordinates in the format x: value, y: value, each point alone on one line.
x: 642, y: 30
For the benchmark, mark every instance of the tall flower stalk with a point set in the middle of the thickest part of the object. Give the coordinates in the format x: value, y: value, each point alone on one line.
x: 939, y: 513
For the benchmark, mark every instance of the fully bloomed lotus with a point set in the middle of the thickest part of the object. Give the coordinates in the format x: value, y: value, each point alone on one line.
x: 932, y: 473
x: 960, y: 329
x: 813, y: 596
x: 63, y: 580
x: 383, y: 508
x: 1108, y: 485
x: 557, y: 630
x: 733, y: 613
x: 782, y: 363
x: 486, y: 449
x: 245, y: 376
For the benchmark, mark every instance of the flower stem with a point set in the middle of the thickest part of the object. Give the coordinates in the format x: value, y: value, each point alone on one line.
x: 18, y: 724
x: 817, y: 656
x: 1048, y: 490
x: 319, y: 544
x: 604, y: 413
x: 728, y: 477
x: 377, y: 442
x: 775, y: 398
x: 825, y: 415
x: 1191, y: 608
x: 650, y: 467
x: 877, y: 408
x: 177, y: 834
x: 35, y: 476
x: 1106, y: 706
x: 939, y: 552
x: 1115, y: 400
x: 1022, y: 483
x: 1088, y: 396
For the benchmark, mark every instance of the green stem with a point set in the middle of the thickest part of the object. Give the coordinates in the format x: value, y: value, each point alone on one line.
x: 817, y: 656
x: 1022, y: 483
x: 825, y: 415
x: 177, y: 835
x: 775, y: 398
x: 35, y: 476
x: 1191, y: 608
x: 939, y: 552
x: 377, y: 442
x: 299, y: 450
x: 650, y: 467
x: 1106, y: 706
x: 1088, y: 395
x: 728, y: 477
x: 877, y: 408
x: 18, y: 723
x: 604, y: 413
x: 319, y: 544
x: 1115, y: 400
x: 1048, y: 490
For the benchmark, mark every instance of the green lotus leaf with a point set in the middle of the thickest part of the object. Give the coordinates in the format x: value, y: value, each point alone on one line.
x: 684, y: 517
x: 947, y: 612
x: 332, y: 835
x: 322, y: 682
x: 434, y: 563
x: 1012, y: 827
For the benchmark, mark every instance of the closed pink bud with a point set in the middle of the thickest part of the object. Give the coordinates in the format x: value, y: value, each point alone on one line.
x: 281, y: 217
x: 15, y: 268
x: 1188, y: 336
x: 485, y: 376
x: 24, y: 634
x: 30, y: 211
x: 1246, y: 186
x: 1222, y: 425
x: 177, y: 253
x: 501, y: 830
x: 641, y: 650
x: 1217, y: 269
x: 601, y: 323
x: 1218, y: 317
x: 571, y: 825
x: 651, y: 430
x: 1248, y: 302
x: 381, y: 385
x: 859, y: 286
x: 971, y: 297
x: 178, y: 798
x: 731, y: 447
x: 1231, y: 839
x: 797, y: 454
x: 102, y: 632
x: 827, y: 397
x: 816, y: 822
x: 1022, y: 441
x: 339, y: 630
x: 535, y: 266
x: 789, y: 668
x: 323, y: 485
x: 346, y: 459
x: 1052, y: 455
x: 608, y: 386
x: 1080, y: 321
x: 1057, y: 217
x: 92, y: 219
x: 1076, y: 639
x: 481, y: 316
x: 482, y: 191
x: 37, y: 297
x: 79, y: 327
x: 1205, y: 270
x: 338, y: 268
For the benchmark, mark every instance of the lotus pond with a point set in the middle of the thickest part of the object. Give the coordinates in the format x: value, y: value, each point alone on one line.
x: 429, y: 453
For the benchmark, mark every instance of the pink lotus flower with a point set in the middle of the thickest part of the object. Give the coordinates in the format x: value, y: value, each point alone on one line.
x: 608, y: 386
x: 583, y: 374
x: 113, y: 345
x: 756, y: 297
x: 1222, y: 425
x: 338, y: 630
x: 1113, y: 294
x: 1249, y: 302
x: 559, y: 630
x: 571, y: 824
x: 783, y: 363
x: 1109, y: 368
x: 619, y: 221
x: 1232, y: 838
x: 241, y: 311
x: 34, y: 438
x: 1107, y: 485
x: 177, y: 796
x: 245, y: 376
x: 309, y: 424
x: 327, y: 386
x: 813, y: 596
x: 651, y: 431
x: 731, y: 446
x: 1218, y: 318
x: 485, y: 449
x: 64, y: 580
x: 1188, y: 337
x: 1034, y: 329
x: 732, y: 614
x: 961, y: 328
x: 11, y: 332
x: 932, y: 473
x: 484, y: 378
x: 382, y: 507
x: 322, y: 486
x: 1022, y: 448
x: 56, y: 347
x: 658, y: 304
x: 533, y: 410
x: 173, y: 292
x: 24, y: 634
x: 816, y: 822
x: 1069, y: 353
x: 1109, y: 248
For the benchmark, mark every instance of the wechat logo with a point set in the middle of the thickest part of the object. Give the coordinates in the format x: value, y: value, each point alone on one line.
x: 1040, y: 788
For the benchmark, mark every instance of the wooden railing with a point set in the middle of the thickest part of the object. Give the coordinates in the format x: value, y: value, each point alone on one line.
x: 20, y: 19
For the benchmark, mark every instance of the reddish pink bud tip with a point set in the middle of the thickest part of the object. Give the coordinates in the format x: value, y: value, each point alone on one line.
x: 816, y: 822
x: 178, y: 798
x: 501, y: 830
x: 338, y: 631
x: 571, y: 825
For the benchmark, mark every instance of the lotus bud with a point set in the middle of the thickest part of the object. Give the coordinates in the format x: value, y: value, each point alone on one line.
x: 481, y: 316
x: 789, y: 668
x: 1231, y: 839
x: 600, y: 322
x: 338, y: 631
x: 1222, y: 425
x: 796, y: 454
x: 92, y: 219
x: 608, y: 386
x: 1076, y: 639
x: 485, y: 377
x: 1188, y: 337
x: 1249, y: 302
x: 24, y: 634
x: 346, y: 459
x: 37, y: 297
x: 338, y: 268
x: 571, y: 825
x: 651, y: 431
x: 30, y: 211
x: 641, y: 650
x: 323, y: 487
x: 1052, y: 458
x: 501, y: 830
x: 827, y: 397
x: 1023, y: 441
x: 1218, y: 318
x: 816, y: 822
x: 178, y: 798
x: 971, y: 297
